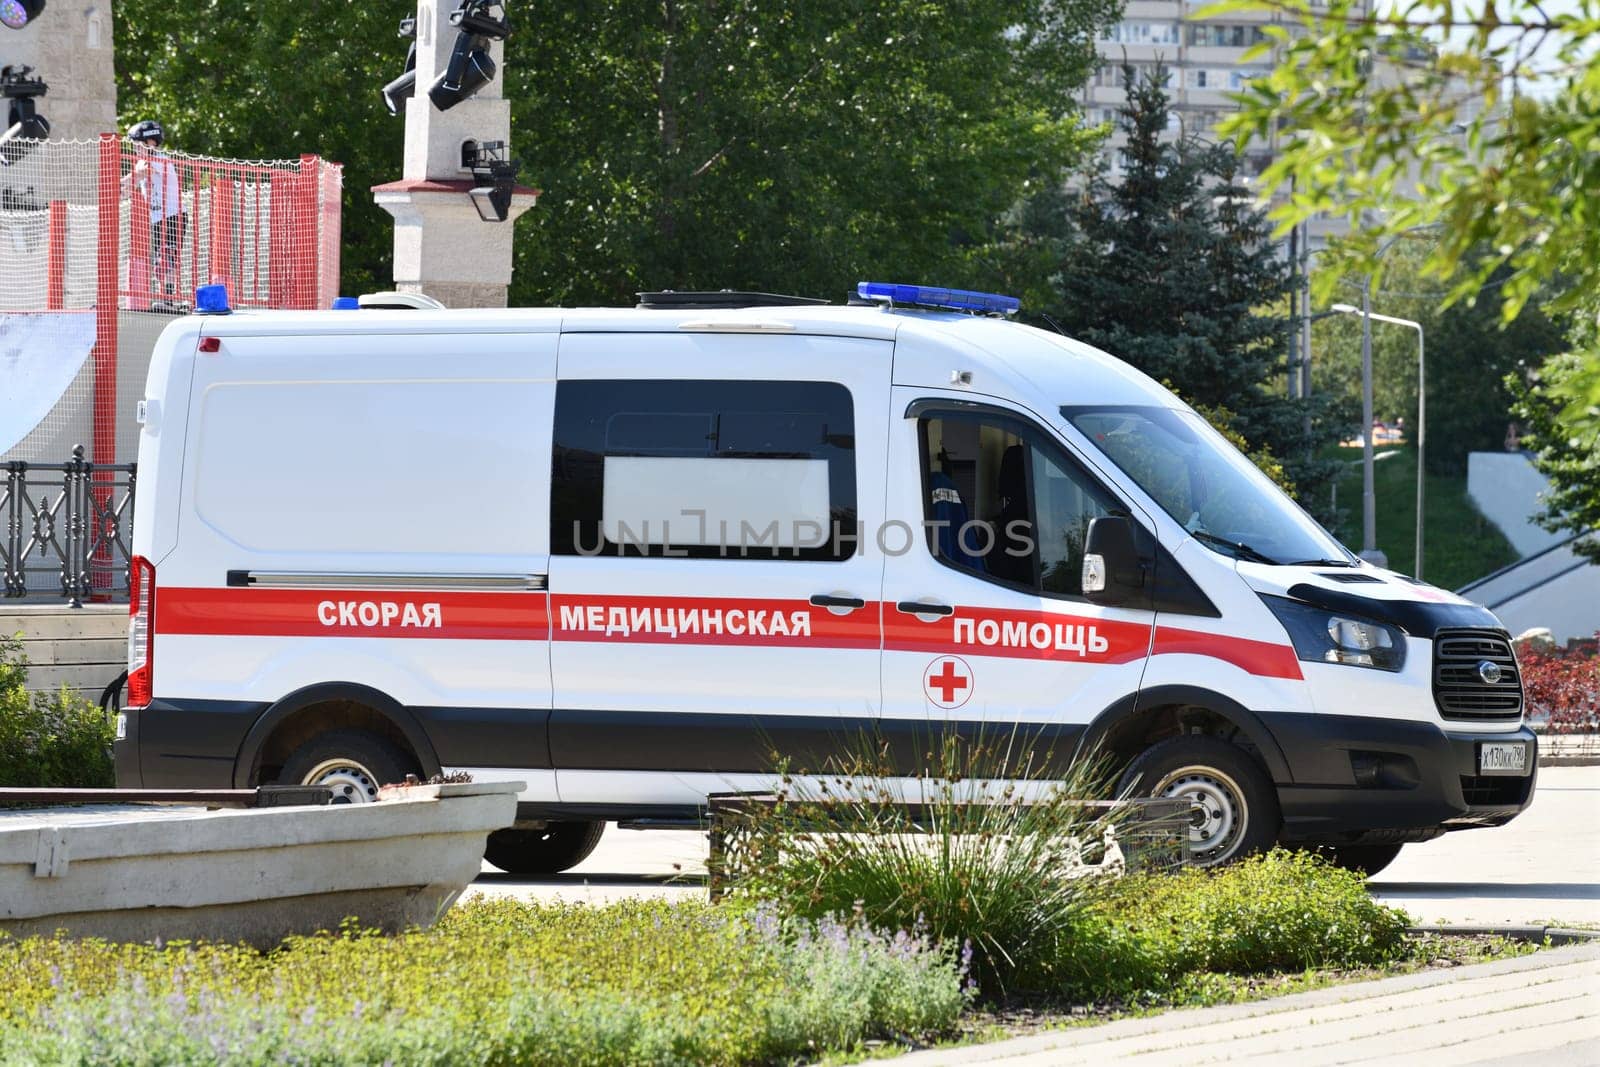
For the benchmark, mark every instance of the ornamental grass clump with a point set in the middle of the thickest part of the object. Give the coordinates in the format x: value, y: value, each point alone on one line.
x: 493, y: 983
x: 978, y: 849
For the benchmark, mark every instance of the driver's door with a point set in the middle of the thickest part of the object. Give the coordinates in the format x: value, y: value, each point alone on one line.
x: 985, y: 621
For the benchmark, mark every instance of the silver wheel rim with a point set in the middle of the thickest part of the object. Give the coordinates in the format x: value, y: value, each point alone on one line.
x: 1221, y: 818
x: 350, y: 781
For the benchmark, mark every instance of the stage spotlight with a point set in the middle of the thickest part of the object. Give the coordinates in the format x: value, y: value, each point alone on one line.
x: 18, y: 13
x: 470, y: 67
x: 398, y: 93
x: 24, y: 124
x: 494, y: 180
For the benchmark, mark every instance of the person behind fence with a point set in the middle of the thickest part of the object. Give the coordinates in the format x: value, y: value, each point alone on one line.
x: 155, y: 176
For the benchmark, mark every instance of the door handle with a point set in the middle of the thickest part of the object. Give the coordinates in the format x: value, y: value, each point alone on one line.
x: 822, y: 600
x: 917, y: 607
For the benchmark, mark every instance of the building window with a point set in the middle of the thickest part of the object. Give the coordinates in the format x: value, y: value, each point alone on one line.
x: 1219, y: 35
x: 703, y: 469
x: 1142, y: 31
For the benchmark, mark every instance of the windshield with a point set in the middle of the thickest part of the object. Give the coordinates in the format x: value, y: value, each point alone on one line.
x: 1202, y: 481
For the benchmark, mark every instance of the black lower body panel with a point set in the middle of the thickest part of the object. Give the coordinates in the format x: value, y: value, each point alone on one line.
x: 1360, y: 779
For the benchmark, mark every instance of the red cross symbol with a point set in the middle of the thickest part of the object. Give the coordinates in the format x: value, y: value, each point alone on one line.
x: 948, y: 681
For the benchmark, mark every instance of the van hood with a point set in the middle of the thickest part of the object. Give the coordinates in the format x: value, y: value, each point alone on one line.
x: 1416, y: 607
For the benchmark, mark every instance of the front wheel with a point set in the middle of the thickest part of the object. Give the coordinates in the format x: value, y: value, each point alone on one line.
x: 1236, y: 806
x: 555, y: 848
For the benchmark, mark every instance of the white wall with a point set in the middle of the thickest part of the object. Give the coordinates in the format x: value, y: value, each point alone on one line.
x: 1506, y: 486
x: 1552, y: 589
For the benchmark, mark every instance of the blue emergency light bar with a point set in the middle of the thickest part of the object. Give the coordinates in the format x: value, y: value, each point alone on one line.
x: 211, y: 300
x: 933, y: 296
x: 346, y: 303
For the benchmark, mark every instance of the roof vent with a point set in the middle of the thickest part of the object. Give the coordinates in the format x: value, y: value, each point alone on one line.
x: 671, y: 300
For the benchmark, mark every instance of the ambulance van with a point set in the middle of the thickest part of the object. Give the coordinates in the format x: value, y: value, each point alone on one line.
x: 628, y: 555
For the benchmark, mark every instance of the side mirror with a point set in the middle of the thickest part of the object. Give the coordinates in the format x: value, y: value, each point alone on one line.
x: 1113, y: 573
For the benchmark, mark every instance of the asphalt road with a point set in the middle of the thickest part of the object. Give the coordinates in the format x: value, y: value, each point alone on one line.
x: 1544, y: 867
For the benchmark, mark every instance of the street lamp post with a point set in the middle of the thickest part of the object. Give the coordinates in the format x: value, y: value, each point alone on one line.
x: 1368, y: 315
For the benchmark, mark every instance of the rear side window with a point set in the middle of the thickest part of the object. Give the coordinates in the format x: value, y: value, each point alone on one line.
x: 703, y: 469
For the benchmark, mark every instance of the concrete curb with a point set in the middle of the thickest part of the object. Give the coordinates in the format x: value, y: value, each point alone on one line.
x: 1569, y: 750
x: 1556, y: 935
x: 1078, y: 1043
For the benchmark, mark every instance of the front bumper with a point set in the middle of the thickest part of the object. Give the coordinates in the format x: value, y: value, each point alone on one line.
x: 1360, y: 779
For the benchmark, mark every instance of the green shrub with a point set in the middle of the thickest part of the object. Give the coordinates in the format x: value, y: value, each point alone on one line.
x: 980, y: 862
x: 494, y: 983
x: 58, y: 739
x: 1285, y: 910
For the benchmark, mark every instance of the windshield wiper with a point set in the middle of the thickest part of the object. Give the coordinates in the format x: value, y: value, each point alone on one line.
x: 1244, y: 551
x: 1321, y: 563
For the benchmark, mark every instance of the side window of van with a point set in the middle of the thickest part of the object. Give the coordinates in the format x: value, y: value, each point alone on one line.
x: 1005, y: 505
x: 703, y: 469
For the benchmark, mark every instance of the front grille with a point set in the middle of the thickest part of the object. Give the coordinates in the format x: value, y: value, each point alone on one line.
x: 1458, y: 685
x: 1493, y: 790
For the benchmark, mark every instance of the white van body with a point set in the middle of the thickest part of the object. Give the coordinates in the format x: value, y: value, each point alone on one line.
x: 606, y: 552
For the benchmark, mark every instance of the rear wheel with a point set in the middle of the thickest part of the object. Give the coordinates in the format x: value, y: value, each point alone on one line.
x: 1236, y: 806
x: 1363, y: 859
x: 353, y: 763
x: 555, y: 848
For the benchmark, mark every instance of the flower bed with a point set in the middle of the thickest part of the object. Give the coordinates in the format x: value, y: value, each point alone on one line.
x: 1561, y: 685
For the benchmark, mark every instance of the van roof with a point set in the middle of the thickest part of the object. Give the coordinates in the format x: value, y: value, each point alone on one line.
x: 1059, y: 367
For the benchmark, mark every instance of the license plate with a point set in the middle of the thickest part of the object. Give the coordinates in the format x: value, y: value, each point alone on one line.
x: 122, y: 726
x: 1503, y: 757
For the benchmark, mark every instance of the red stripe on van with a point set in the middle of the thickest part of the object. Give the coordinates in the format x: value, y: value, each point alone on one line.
x: 258, y: 612
x: 1258, y: 657
x: 710, y: 621
x: 1018, y: 634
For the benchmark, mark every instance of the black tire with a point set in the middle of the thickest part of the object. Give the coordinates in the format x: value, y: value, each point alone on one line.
x: 1363, y: 859
x: 1240, y: 804
x: 559, y: 846
x: 353, y: 763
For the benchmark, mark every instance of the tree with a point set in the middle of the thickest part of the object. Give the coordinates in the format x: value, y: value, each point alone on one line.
x: 1418, y: 117
x: 1172, y: 270
x: 270, y: 79
x: 1570, y: 462
x: 1471, y: 349
x: 779, y: 145
x: 743, y: 143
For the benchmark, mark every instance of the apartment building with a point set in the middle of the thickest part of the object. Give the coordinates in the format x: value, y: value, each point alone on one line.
x: 1204, y: 62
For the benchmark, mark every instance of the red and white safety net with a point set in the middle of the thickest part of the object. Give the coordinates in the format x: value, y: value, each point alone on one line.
x: 101, y: 242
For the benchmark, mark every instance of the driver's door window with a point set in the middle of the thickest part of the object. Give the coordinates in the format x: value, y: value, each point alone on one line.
x: 1005, y: 505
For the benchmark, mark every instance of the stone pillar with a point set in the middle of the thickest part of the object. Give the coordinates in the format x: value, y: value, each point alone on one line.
x: 441, y: 247
x: 70, y: 47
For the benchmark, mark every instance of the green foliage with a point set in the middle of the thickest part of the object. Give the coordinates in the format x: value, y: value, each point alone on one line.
x: 1413, y: 118
x: 982, y: 863
x: 1162, y: 934
x: 57, y: 739
x: 1461, y: 545
x: 1470, y: 350
x: 1283, y: 911
x: 979, y: 865
x: 1565, y: 455
x: 1172, y: 270
x: 761, y: 144
x: 495, y: 983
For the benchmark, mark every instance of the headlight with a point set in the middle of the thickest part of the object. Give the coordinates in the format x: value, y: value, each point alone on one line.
x: 1323, y: 636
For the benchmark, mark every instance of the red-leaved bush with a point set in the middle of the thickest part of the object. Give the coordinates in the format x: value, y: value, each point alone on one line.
x: 1562, y: 685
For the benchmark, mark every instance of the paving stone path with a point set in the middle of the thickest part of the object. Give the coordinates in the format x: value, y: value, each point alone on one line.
x: 1542, y: 1009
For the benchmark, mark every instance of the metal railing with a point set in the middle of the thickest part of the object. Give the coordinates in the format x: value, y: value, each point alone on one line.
x: 67, y: 528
